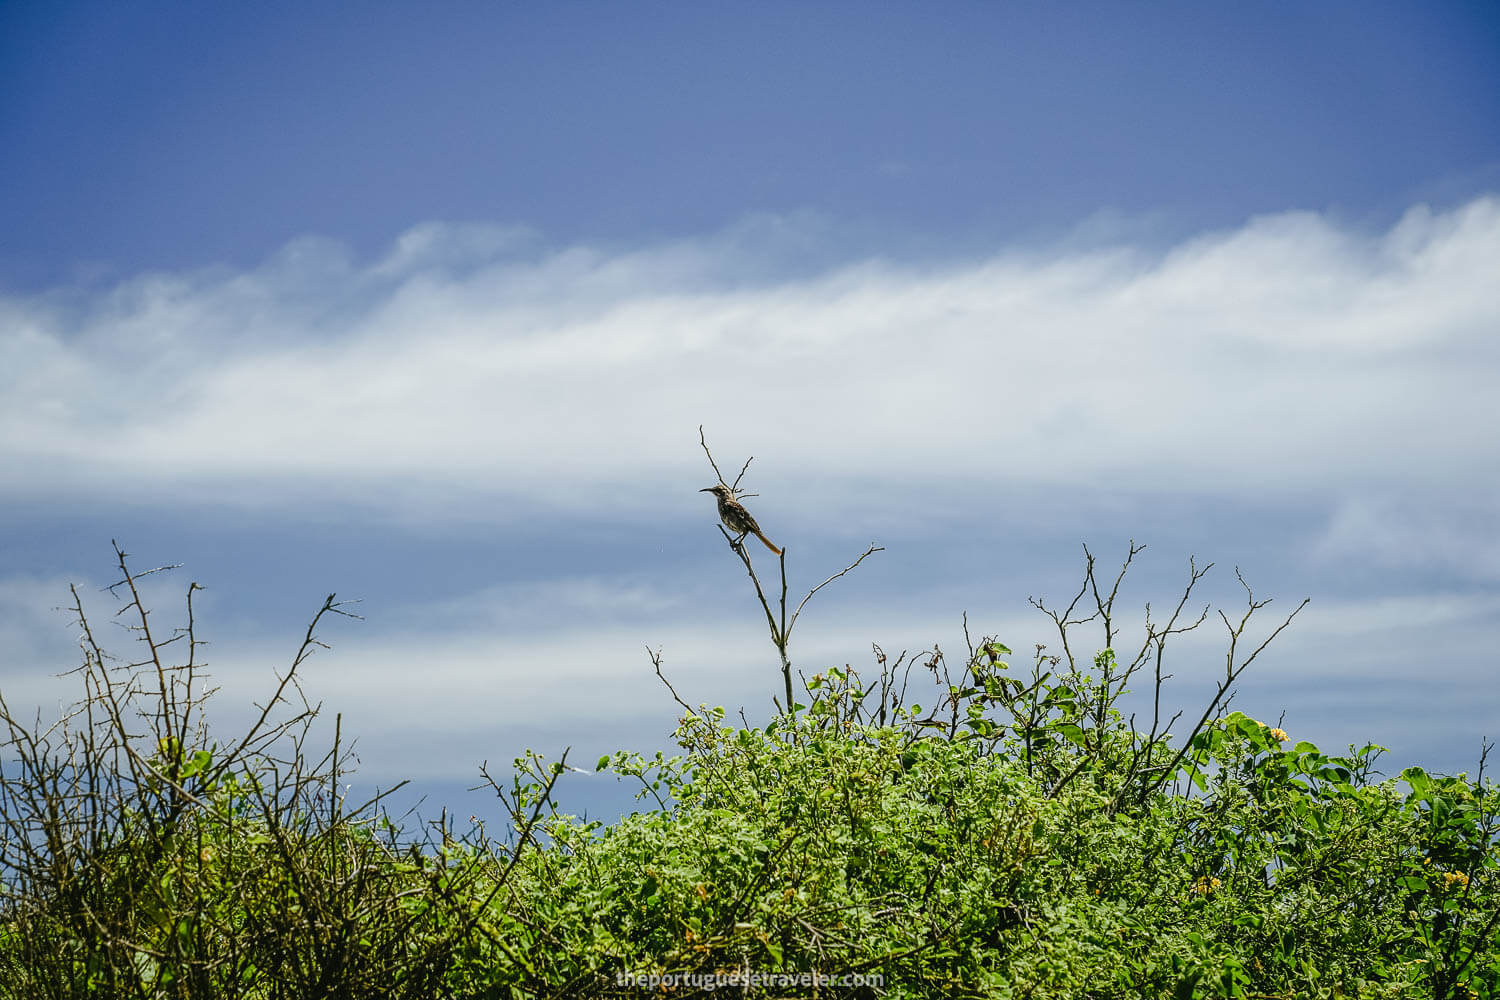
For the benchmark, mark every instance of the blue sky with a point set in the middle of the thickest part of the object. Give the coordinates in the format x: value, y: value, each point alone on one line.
x: 425, y: 305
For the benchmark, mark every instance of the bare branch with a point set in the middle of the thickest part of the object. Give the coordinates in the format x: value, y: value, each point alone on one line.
x: 656, y: 662
x: 702, y: 441
x: 309, y: 642
x: 735, y: 486
x: 869, y: 551
x: 1065, y: 619
x: 1106, y: 605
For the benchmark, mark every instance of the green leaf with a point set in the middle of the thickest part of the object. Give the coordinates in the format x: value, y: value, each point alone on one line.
x: 1070, y: 731
x: 1187, y: 987
x: 1258, y: 735
x: 196, y: 764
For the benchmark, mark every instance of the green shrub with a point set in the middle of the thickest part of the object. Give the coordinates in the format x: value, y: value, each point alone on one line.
x: 1021, y: 839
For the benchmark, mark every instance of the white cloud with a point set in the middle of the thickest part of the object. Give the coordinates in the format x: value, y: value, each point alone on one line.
x: 1457, y: 534
x: 39, y: 639
x: 548, y: 604
x: 1418, y: 614
x: 1290, y: 355
x: 460, y: 691
x: 472, y: 369
x: 450, y: 683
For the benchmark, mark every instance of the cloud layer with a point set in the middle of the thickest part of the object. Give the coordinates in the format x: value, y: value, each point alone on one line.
x: 1312, y: 398
x: 1290, y: 355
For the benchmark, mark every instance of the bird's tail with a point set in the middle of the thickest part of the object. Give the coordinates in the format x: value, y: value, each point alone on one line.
x: 768, y: 543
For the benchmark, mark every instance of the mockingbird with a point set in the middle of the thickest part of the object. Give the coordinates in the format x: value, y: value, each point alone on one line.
x: 735, y: 517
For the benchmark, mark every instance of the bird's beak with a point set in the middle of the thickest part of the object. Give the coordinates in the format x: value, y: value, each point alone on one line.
x: 706, y: 489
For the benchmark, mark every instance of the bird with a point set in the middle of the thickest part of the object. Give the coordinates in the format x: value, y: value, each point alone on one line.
x: 735, y: 517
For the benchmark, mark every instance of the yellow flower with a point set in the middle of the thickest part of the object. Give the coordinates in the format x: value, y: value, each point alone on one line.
x: 1206, y: 885
x: 1280, y: 735
x: 1459, y: 879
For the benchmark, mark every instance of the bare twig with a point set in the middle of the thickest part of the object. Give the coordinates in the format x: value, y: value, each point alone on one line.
x: 656, y: 662
x: 1232, y: 673
x: 867, y: 552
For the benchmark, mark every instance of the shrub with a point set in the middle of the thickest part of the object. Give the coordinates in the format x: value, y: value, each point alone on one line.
x: 1022, y: 838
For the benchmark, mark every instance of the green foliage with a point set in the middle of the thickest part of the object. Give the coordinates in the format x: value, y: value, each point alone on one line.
x: 820, y: 844
x: 1022, y: 839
